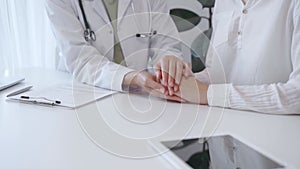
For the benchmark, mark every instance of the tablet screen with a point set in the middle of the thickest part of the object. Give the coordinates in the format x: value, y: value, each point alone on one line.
x: 219, y: 152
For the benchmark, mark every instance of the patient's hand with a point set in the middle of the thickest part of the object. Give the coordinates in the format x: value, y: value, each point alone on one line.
x: 169, y: 71
x: 148, y: 83
x: 164, y: 96
x: 193, y: 91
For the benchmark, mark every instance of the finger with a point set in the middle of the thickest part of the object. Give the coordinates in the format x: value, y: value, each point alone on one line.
x: 179, y: 70
x: 172, y: 72
x: 187, y: 65
x: 171, y: 91
x: 165, y: 70
x: 158, y: 76
x: 187, y: 70
x: 155, y: 92
x: 188, y: 73
x: 176, y: 88
x: 155, y: 86
x: 176, y: 98
x: 157, y: 71
x: 158, y: 94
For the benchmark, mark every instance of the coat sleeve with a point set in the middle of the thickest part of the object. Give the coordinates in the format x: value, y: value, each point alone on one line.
x: 82, y: 59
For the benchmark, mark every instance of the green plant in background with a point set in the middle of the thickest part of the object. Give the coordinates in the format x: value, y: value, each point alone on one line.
x: 186, y: 20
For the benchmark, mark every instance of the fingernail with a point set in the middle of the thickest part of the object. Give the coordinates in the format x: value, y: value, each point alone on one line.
x: 176, y: 88
x: 162, y: 82
x: 162, y: 90
x: 157, y: 75
x: 171, y: 93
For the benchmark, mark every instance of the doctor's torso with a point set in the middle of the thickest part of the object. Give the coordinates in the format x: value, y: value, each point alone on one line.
x: 131, y: 20
x: 134, y: 17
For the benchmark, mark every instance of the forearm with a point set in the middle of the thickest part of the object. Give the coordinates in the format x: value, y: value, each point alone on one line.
x: 129, y: 79
x: 273, y: 99
x: 99, y: 71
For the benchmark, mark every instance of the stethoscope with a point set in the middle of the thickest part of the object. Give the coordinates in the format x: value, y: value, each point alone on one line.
x: 89, y: 34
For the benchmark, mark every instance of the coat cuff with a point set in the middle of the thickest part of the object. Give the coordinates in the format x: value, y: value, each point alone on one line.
x: 113, y: 78
x: 218, y: 95
x: 117, y: 82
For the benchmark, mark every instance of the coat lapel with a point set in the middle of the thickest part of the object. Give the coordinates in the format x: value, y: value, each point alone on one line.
x: 99, y: 8
x: 123, y: 7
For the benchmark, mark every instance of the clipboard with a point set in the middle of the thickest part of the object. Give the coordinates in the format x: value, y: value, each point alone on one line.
x: 67, y: 95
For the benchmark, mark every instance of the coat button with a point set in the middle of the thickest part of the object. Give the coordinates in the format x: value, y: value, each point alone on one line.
x: 245, y: 11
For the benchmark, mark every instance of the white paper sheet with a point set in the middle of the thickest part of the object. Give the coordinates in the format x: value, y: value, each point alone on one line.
x: 69, y: 95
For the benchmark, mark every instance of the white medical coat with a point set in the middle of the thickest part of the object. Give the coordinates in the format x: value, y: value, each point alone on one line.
x: 91, y: 62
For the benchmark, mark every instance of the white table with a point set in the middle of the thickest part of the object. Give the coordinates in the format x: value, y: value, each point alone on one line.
x: 109, y: 133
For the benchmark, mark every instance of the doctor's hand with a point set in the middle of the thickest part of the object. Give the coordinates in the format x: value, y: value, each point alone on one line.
x: 193, y: 91
x: 169, y: 71
x: 148, y: 82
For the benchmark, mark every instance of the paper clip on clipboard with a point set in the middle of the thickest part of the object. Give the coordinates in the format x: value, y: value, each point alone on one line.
x: 40, y: 101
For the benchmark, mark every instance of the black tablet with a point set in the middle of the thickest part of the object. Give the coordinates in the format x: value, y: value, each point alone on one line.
x: 218, y: 152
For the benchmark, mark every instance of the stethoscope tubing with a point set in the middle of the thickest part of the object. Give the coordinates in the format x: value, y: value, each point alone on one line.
x: 90, y: 35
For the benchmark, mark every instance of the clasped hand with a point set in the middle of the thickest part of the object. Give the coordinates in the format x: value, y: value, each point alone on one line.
x: 179, y: 82
x: 173, y: 80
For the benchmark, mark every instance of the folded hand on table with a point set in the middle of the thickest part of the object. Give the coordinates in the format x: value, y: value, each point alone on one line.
x: 147, y: 82
x: 190, y: 89
x: 169, y: 71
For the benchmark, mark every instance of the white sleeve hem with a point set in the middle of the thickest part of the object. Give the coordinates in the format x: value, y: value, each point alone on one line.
x: 117, y: 82
x: 218, y: 95
x: 112, y: 77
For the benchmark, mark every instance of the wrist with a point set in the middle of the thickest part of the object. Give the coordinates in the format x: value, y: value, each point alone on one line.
x: 130, y: 79
x: 202, y: 91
